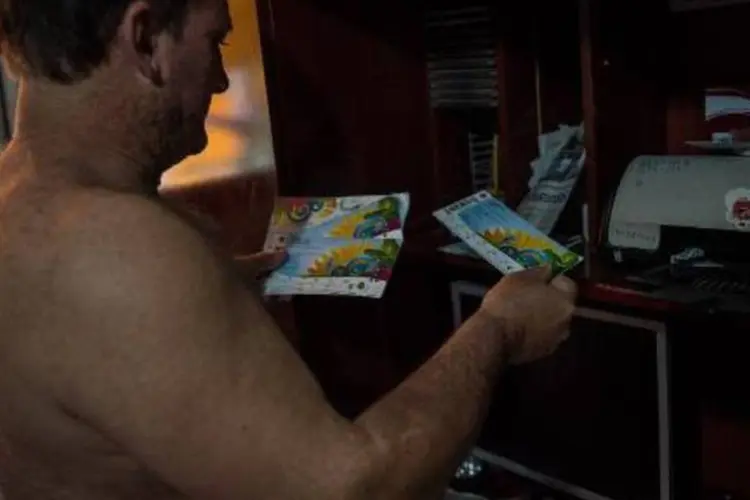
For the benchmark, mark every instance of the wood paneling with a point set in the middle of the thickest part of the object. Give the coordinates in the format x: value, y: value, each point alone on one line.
x: 349, y: 101
x: 725, y: 455
x: 624, y: 83
x: 517, y: 109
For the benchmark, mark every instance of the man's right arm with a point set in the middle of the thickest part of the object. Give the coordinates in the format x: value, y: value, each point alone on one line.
x: 430, y: 421
x: 426, y: 426
x: 195, y: 381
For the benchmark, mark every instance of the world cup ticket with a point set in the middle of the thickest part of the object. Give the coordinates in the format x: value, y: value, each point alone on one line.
x: 501, y: 237
x: 361, y: 217
x: 336, y: 245
x: 349, y: 267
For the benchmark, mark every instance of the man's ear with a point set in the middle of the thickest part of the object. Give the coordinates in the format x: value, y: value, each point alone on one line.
x: 143, y: 42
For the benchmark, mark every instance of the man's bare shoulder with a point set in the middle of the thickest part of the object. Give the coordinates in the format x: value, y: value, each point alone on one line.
x: 119, y: 240
x: 105, y: 218
x: 136, y: 272
x: 126, y: 280
x: 139, y: 281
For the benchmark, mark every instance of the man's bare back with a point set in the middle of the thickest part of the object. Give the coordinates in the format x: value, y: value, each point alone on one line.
x: 46, y: 450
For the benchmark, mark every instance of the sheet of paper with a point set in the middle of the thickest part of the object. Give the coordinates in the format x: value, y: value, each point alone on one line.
x: 502, y: 237
x: 336, y: 246
x: 555, y: 175
x: 460, y: 248
x: 336, y: 267
x: 295, y: 219
x: 630, y: 235
x: 549, y: 145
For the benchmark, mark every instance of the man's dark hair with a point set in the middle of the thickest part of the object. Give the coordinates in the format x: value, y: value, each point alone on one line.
x: 65, y: 40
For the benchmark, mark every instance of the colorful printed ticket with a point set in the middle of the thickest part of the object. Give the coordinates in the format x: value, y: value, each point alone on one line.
x: 502, y: 237
x: 336, y: 246
x: 336, y: 267
x: 309, y: 219
x: 460, y: 248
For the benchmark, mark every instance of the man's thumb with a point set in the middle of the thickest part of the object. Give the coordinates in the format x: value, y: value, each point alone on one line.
x: 261, y: 263
x: 540, y: 273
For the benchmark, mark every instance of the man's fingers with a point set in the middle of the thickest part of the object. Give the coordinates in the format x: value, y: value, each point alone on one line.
x: 537, y: 274
x: 269, y: 261
x: 261, y: 263
x: 565, y: 286
x: 273, y: 260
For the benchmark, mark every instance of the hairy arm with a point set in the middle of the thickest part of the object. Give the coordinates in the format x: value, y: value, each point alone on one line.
x: 170, y: 356
x: 427, y: 425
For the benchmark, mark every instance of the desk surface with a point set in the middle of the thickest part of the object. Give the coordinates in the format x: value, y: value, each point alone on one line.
x: 597, y: 283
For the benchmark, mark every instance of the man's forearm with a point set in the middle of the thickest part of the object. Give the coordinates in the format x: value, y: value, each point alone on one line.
x: 425, y: 426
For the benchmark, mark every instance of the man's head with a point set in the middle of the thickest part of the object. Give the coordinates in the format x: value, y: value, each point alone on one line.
x: 151, y: 65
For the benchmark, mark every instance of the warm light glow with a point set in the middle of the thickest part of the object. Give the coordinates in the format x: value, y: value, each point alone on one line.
x: 239, y: 131
x: 225, y: 147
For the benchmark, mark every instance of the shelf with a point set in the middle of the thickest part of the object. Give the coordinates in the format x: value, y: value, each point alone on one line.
x: 603, y: 285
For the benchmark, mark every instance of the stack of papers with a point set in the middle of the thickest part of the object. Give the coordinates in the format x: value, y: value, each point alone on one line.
x: 336, y: 245
x: 554, y: 175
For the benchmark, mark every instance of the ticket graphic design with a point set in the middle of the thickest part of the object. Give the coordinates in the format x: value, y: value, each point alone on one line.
x: 502, y: 237
x: 336, y: 245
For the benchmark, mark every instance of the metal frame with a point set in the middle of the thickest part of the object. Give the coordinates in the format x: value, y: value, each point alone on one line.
x: 666, y: 487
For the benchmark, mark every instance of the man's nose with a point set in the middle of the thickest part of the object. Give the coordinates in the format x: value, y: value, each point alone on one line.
x: 222, y: 82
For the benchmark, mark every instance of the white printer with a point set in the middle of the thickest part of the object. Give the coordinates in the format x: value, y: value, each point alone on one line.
x: 688, y: 215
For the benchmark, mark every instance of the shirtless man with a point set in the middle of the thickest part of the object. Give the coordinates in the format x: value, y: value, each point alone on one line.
x: 134, y: 364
